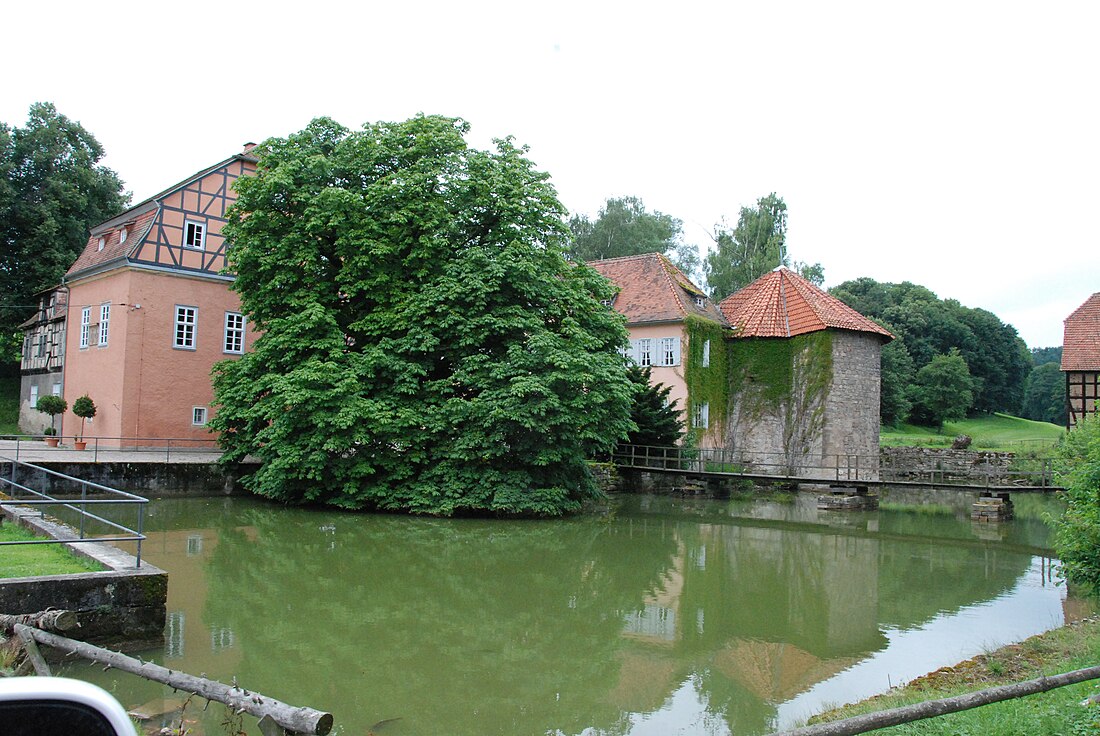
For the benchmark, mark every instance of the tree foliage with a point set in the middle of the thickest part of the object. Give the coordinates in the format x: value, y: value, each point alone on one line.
x: 749, y: 250
x: 942, y: 390
x: 897, y: 377
x: 1077, y: 539
x: 424, y: 345
x: 1045, y: 395
x: 52, y: 190
x: 623, y: 227
x: 928, y: 327
x: 657, y: 419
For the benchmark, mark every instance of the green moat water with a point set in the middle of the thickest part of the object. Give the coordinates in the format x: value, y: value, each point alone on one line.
x: 657, y: 616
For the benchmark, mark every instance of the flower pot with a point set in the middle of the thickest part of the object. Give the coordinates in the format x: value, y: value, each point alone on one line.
x: 80, y: 444
x: 51, y: 442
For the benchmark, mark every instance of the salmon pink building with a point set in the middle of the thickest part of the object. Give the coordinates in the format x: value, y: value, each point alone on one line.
x: 150, y: 312
x: 661, y: 305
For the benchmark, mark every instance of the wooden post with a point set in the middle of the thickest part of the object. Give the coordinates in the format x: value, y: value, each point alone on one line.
x: 292, y: 719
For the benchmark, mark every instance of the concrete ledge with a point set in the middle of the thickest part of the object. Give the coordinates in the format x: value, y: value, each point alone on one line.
x: 122, y: 607
x: 144, y: 478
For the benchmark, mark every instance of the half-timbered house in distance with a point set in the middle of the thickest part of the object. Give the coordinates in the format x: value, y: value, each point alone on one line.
x: 1081, y: 360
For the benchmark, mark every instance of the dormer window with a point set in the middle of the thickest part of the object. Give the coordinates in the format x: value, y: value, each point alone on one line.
x: 102, y: 242
x: 194, y: 235
x: 122, y: 235
x: 700, y: 301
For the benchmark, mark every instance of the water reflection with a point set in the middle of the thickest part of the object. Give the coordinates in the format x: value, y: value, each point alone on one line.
x: 659, y: 616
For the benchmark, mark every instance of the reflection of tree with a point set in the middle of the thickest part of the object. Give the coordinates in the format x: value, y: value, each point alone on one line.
x: 520, y: 621
x: 530, y: 627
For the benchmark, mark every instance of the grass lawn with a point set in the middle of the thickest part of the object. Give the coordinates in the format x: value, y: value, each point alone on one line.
x: 990, y: 432
x: 17, y: 561
x: 1054, y: 713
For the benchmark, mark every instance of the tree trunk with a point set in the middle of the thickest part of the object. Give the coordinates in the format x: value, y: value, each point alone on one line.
x: 931, y: 708
x: 295, y: 720
x: 56, y: 621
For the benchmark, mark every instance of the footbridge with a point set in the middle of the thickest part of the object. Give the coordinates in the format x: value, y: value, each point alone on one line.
x: 836, y: 471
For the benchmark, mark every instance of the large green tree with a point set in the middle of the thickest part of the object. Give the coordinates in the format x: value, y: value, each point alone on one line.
x: 756, y: 245
x: 425, y: 346
x: 1045, y: 394
x: 942, y: 390
x: 928, y: 326
x: 623, y: 227
x: 52, y: 190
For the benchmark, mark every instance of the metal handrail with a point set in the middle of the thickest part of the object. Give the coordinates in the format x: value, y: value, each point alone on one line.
x: 139, y: 444
x: 836, y: 467
x: 45, y: 500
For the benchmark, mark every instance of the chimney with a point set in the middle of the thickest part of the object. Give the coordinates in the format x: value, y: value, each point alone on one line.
x: 249, y: 146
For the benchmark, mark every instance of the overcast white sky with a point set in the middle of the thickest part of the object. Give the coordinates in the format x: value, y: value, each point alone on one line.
x: 951, y: 144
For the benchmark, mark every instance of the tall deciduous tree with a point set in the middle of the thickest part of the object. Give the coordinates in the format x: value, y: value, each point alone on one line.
x: 943, y: 390
x: 755, y: 246
x: 1045, y: 394
x: 52, y: 190
x: 623, y: 227
x: 425, y: 345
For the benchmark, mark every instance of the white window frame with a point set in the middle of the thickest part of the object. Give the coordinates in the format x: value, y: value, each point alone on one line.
x: 104, y: 324
x: 700, y: 418
x: 706, y: 354
x: 85, y: 322
x: 185, y: 327
x: 668, y: 352
x: 645, y: 351
x: 198, y: 416
x: 34, y: 395
x: 122, y: 235
x: 194, y: 235
x: 233, y: 340
x: 56, y: 388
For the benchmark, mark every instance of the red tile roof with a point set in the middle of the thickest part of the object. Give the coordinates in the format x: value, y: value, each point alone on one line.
x: 137, y: 227
x: 652, y: 289
x: 1081, y: 344
x: 783, y: 304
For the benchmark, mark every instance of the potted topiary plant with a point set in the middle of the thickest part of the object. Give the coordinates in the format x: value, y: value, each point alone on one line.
x: 52, y: 405
x: 84, y: 408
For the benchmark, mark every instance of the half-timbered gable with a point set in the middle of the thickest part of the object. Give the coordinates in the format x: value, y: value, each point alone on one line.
x: 43, y: 359
x: 152, y: 311
x: 1081, y: 360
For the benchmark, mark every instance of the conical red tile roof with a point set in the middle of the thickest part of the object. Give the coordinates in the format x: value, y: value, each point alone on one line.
x: 783, y: 304
x: 1081, y: 343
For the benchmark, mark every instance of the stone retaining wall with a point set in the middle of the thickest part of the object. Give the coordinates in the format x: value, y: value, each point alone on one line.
x: 142, y: 478
x: 122, y: 607
x: 904, y: 463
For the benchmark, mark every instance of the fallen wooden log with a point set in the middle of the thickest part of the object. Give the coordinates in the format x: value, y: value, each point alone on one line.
x: 56, y: 621
x: 294, y: 720
x: 932, y: 708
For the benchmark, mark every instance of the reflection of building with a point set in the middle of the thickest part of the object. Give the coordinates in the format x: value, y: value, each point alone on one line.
x: 805, y: 609
x: 43, y: 361
x: 190, y: 641
x: 1081, y: 359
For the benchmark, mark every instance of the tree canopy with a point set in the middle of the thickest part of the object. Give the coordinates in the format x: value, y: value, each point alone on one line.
x: 997, y: 359
x: 425, y: 345
x: 52, y: 191
x: 755, y: 246
x: 942, y: 390
x: 624, y: 227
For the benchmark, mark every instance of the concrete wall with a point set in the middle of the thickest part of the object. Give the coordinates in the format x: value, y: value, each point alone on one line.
x: 31, y: 420
x: 145, y: 478
x: 124, y: 607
